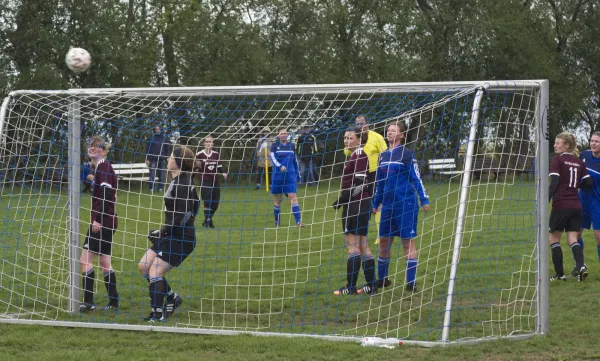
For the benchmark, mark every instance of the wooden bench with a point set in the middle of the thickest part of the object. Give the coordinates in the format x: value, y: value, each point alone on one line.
x: 445, y: 166
x: 132, y: 172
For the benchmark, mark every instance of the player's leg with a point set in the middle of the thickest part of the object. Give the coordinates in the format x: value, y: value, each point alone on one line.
x: 572, y: 226
x: 104, y: 260
x: 152, y: 175
x: 277, y: 208
x: 296, y: 209
x: 387, y: 232
x: 205, y: 195
x: 352, y: 265
x: 408, y: 225
x: 557, y: 226
x: 215, y: 199
x: 157, y: 287
x: 162, y: 171
x: 90, y: 247
x: 594, y: 223
x: 260, y: 172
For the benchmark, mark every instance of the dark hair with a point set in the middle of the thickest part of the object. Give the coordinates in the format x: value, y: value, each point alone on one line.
x: 184, y: 157
x: 280, y: 129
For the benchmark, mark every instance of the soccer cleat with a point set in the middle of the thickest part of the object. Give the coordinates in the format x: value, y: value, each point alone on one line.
x: 558, y: 278
x: 172, y: 305
x: 111, y: 305
x: 574, y: 272
x: 345, y: 291
x: 300, y: 224
x: 411, y: 287
x: 154, y: 317
x: 87, y: 307
x: 204, y: 224
x: 383, y: 283
x: 209, y: 223
x: 582, y: 274
x: 368, y: 289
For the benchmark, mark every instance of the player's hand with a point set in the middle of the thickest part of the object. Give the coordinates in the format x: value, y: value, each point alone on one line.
x: 147, y: 163
x: 154, y: 235
x: 336, y: 205
x: 357, y: 190
x: 96, y: 227
x: 283, y: 168
x: 225, y: 176
x: 374, y: 210
x: 426, y: 208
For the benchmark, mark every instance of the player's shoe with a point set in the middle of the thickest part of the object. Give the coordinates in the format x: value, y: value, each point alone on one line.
x: 383, y: 283
x: 370, y: 290
x: 209, y: 223
x: 300, y: 224
x: 87, y: 307
x: 111, y: 305
x: 558, y: 278
x: 205, y: 224
x: 345, y: 291
x: 154, y: 317
x: 411, y: 287
x: 172, y: 305
x: 574, y: 272
x: 582, y: 274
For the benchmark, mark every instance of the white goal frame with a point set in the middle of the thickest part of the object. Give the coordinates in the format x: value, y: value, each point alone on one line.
x: 540, y: 87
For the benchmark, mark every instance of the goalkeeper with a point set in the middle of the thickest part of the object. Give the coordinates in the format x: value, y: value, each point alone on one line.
x: 176, y: 239
x: 374, y: 145
x: 356, y: 202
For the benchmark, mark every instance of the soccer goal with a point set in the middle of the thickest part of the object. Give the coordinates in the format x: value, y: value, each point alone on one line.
x: 482, y: 153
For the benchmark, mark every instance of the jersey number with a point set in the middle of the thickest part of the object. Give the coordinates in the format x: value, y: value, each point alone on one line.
x: 573, y: 177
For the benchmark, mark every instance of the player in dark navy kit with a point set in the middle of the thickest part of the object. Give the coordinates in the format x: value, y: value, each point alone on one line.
x: 567, y: 174
x: 98, y: 241
x: 398, y: 185
x: 285, y: 176
x: 208, y: 167
x: 355, y: 199
x: 590, y: 198
x: 176, y: 239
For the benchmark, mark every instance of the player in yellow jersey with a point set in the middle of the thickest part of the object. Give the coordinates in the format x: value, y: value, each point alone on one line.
x: 374, y: 146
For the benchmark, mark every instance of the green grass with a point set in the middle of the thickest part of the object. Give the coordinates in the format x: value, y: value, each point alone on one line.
x: 247, y: 276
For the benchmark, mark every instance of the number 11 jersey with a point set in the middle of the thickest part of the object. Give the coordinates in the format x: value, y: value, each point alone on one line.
x: 571, y: 171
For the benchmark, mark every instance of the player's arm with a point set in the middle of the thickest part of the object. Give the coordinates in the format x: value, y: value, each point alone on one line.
x: 554, y: 177
x: 107, y: 192
x: 379, y: 186
x: 273, y: 157
x: 416, y: 180
x: 184, y: 205
x: 585, y: 182
x: 220, y: 167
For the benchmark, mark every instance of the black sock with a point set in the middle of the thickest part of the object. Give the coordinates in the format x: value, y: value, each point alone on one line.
x: 578, y: 255
x: 169, y: 292
x: 110, y: 281
x: 353, y: 268
x: 157, y: 294
x: 368, y: 264
x: 557, y: 259
x: 87, y: 283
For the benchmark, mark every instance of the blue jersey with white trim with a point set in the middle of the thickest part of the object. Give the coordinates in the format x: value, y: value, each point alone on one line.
x: 398, y: 180
x: 284, y: 155
x: 590, y: 198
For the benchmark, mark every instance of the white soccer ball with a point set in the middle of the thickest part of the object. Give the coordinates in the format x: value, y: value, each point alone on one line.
x: 78, y: 60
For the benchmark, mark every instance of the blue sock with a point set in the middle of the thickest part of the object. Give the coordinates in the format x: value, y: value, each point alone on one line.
x: 580, y: 241
x: 383, y: 264
x: 411, y: 271
x: 598, y: 246
x: 276, y: 211
x: 296, y: 211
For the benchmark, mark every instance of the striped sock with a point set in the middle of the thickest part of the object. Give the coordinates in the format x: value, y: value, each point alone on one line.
x: 276, y: 211
x: 411, y: 271
x: 296, y: 211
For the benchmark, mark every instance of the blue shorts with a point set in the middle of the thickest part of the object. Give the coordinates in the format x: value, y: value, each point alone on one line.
x: 399, y: 222
x: 591, y: 217
x: 283, y: 187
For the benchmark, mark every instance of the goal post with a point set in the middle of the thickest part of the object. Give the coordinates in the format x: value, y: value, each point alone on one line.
x: 482, y: 248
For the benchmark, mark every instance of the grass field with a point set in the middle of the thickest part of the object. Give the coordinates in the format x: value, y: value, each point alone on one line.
x: 247, y: 276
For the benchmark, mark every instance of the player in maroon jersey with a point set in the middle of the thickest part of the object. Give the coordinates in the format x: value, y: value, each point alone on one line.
x: 98, y: 241
x: 355, y: 199
x: 567, y: 174
x: 208, y: 167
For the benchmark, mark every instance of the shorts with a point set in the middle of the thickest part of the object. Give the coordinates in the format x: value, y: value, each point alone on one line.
x: 174, y: 250
x: 100, y: 242
x: 355, y: 217
x: 566, y: 220
x: 399, y: 222
x: 591, y: 217
x: 285, y: 187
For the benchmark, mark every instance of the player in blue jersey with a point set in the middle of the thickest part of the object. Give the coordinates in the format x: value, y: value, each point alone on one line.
x: 285, y: 176
x: 398, y: 185
x: 590, y: 198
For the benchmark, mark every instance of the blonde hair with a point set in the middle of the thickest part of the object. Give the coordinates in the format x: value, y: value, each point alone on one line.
x: 569, y: 139
x: 99, y: 142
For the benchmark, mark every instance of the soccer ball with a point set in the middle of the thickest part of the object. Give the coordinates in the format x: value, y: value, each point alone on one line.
x: 78, y: 60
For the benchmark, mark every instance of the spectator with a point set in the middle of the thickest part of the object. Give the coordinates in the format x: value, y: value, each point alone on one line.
x: 159, y: 150
x: 306, y: 148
